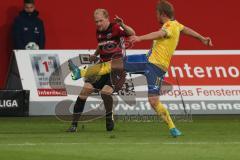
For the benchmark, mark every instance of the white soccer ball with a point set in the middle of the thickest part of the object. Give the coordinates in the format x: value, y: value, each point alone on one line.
x: 32, y: 46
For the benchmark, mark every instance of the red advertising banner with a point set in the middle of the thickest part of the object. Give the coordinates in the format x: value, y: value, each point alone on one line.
x: 214, y: 70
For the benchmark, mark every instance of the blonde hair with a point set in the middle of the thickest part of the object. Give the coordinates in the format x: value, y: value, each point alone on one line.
x: 103, y: 11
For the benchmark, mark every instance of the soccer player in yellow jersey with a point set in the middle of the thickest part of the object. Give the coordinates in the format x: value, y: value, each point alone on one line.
x: 155, y: 64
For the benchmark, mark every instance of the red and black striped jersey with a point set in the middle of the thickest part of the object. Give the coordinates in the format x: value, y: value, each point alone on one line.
x: 111, y: 42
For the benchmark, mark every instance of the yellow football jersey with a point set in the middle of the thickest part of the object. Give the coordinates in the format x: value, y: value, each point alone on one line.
x: 163, y: 48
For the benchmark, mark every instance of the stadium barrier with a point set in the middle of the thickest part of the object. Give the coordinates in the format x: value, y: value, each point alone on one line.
x: 14, y: 103
x: 198, y: 82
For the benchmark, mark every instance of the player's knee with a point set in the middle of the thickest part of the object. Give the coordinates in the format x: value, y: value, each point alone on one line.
x: 86, y: 91
x: 106, y: 96
x: 153, y: 100
x: 106, y: 91
x: 88, y: 86
x: 83, y: 97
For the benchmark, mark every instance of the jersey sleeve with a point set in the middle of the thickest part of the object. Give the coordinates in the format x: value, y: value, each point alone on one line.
x: 180, y: 26
x: 121, y: 31
x: 170, y: 28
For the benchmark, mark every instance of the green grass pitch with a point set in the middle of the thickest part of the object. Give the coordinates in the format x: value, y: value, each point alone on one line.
x: 207, y: 138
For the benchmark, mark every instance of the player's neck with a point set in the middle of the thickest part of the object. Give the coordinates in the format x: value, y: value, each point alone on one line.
x: 107, y: 26
x: 165, y: 20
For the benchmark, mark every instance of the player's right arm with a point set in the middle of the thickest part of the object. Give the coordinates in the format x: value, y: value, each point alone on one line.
x: 190, y: 32
x: 151, y: 36
x: 94, y: 56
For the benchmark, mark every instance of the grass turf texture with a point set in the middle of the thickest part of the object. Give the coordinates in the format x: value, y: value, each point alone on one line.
x: 215, y: 138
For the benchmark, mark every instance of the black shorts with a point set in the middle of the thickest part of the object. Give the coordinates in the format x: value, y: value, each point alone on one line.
x: 114, y: 80
x: 101, y: 82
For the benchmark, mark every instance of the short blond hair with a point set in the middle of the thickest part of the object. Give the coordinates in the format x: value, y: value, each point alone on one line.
x: 103, y: 11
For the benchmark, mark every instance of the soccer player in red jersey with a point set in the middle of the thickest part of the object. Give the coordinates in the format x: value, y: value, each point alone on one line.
x: 110, y: 37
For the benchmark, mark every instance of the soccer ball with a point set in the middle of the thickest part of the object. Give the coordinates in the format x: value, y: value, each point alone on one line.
x: 32, y: 46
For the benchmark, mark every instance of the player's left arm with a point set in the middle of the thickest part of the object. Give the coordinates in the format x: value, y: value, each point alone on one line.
x: 129, y: 30
x: 190, y: 32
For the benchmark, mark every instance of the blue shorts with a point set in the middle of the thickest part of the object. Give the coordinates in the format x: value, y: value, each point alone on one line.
x: 154, y: 74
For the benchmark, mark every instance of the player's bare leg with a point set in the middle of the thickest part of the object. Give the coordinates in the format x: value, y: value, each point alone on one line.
x: 106, y: 94
x: 79, y: 105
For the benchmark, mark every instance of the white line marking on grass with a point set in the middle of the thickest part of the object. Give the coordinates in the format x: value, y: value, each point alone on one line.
x: 200, y: 143
x: 87, y: 143
x: 22, y: 144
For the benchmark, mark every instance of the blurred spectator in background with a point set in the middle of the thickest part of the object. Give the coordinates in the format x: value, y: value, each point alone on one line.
x: 28, y: 33
x: 28, y: 28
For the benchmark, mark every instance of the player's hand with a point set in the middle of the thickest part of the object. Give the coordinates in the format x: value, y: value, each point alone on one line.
x: 207, y: 41
x: 118, y: 20
x: 93, y: 58
x: 134, y: 39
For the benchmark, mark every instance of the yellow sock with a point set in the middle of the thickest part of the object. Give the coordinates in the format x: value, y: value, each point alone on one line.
x: 161, y: 110
x: 96, y: 70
